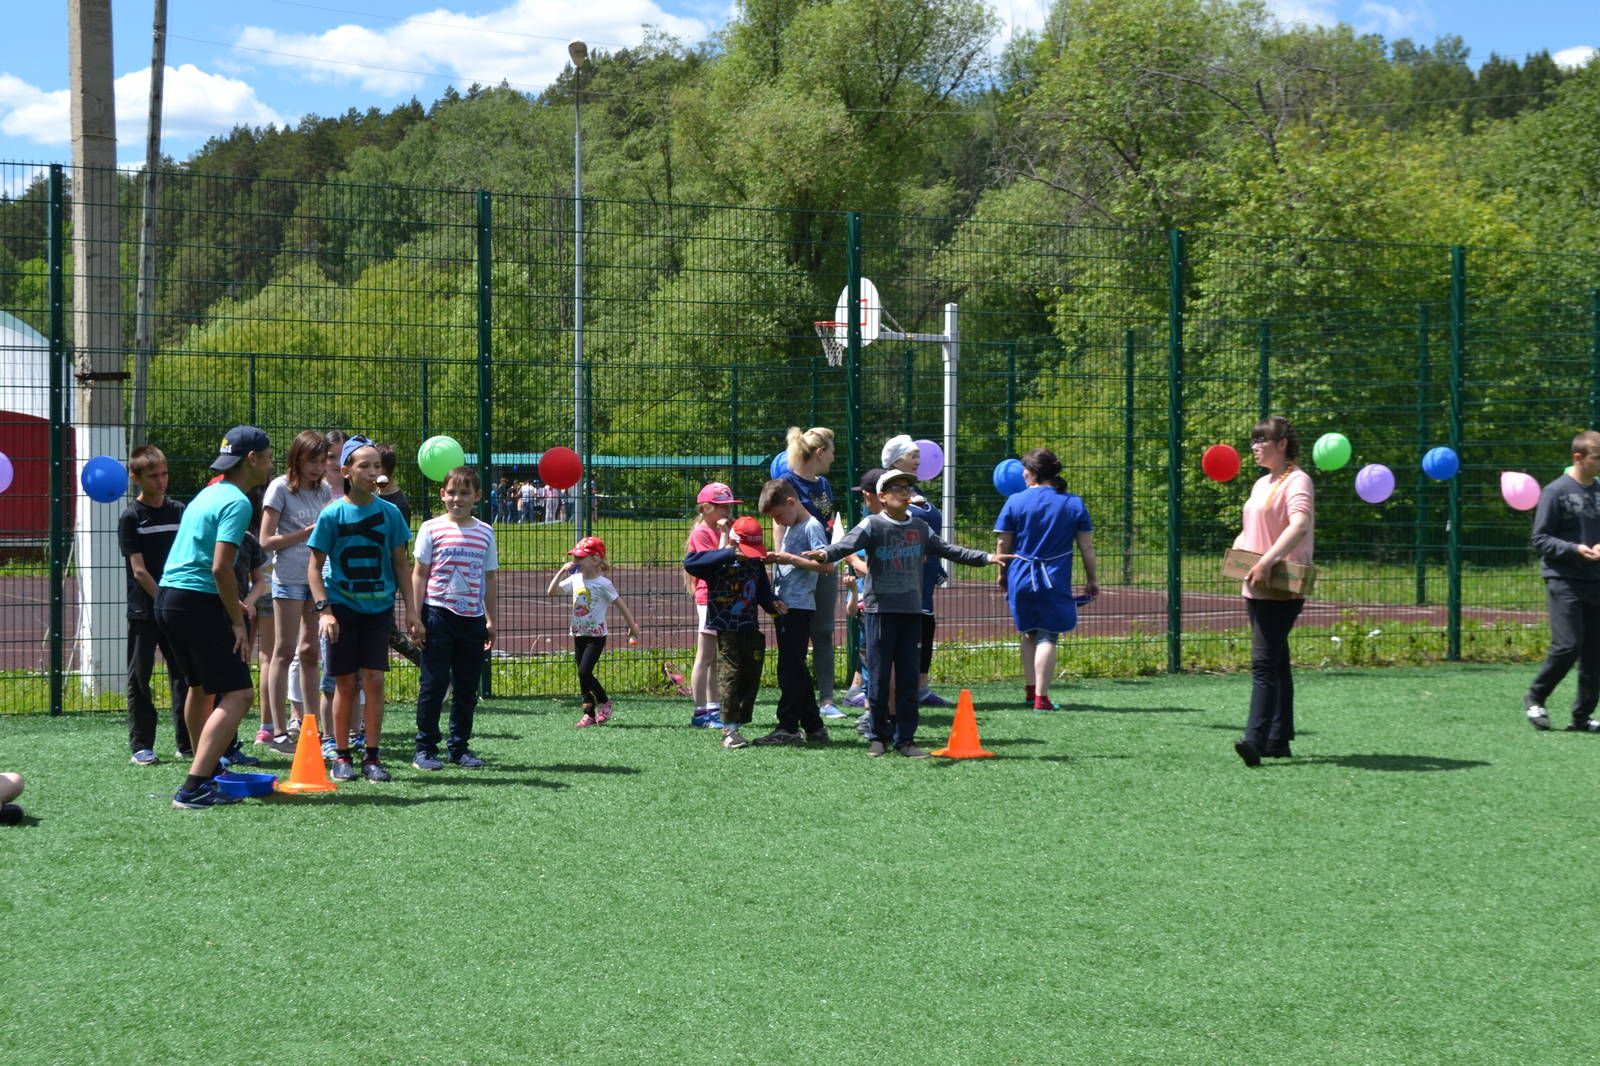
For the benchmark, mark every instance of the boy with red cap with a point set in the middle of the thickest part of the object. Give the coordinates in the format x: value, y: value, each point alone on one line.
x: 736, y: 583
x: 592, y: 594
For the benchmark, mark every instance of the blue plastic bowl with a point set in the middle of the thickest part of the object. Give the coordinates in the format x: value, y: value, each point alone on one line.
x: 242, y: 785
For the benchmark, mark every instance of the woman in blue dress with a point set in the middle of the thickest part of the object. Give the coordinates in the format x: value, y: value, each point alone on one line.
x: 1040, y: 525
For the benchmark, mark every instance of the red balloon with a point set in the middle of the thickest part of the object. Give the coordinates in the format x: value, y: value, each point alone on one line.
x: 560, y: 468
x: 1220, y: 462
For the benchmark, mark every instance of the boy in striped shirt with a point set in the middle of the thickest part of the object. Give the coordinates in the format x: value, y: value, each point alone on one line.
x: 454, y: 581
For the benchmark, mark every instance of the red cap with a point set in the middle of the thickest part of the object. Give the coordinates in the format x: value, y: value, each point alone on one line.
x: 749, y: 536
x: 589, y: 546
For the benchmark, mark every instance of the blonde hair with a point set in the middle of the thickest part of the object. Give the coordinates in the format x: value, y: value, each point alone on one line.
x: 804, y: 443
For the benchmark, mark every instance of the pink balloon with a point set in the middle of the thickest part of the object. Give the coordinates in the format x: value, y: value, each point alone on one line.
x: 1519, y: 490
x: 1375, y: 483
x: 5, y: 472
x: 930, y: 460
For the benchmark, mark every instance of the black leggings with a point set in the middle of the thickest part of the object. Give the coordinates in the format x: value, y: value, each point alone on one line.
x: 587, y: 651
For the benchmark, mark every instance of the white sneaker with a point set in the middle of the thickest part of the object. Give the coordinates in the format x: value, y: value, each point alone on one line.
x: 1538, y: 717
x: 731, y: 738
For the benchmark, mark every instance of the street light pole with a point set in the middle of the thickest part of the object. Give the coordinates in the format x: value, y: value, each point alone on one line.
x: 578, y: 52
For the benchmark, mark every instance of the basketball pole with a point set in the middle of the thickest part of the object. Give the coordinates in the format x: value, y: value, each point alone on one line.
x: 950, y: 349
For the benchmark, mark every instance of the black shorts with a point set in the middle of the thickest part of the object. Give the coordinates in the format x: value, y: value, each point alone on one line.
x: 363, y: 642
x: 201, y: 638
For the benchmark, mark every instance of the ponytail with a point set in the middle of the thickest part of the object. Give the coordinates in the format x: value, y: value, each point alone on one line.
x: 1045, y: 468
x: 804, y: 443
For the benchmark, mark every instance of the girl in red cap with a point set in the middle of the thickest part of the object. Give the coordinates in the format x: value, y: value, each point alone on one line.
x: 592, y: 594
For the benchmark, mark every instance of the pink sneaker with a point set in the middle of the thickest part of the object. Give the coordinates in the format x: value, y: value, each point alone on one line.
x: 263, y: 736
x: 585, y: 722
x: 602, y: 713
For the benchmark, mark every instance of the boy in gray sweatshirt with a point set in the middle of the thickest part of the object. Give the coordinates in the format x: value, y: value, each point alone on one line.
x: 896, y: 545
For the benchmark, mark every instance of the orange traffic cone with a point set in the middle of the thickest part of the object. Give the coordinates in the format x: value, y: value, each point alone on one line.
x: 308, y: 774
x: 964, y: 733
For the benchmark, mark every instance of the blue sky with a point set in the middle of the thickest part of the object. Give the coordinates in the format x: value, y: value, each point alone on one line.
x: 273, y: 61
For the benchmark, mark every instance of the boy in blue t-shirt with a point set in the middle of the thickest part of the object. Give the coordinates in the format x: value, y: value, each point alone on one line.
x: 358, y: 548
x: 198, y: 608
x: 799, y: 718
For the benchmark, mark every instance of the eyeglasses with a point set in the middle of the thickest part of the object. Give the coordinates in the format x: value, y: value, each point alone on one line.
x: 1258, y: 439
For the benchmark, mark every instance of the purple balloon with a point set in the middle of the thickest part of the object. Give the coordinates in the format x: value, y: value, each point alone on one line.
x: 1375, y: 483
x: 5, y: 472
x: 930, y: 460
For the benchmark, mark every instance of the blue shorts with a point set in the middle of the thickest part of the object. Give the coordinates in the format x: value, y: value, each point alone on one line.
x: 284, y: 590
x: 1044, y: 636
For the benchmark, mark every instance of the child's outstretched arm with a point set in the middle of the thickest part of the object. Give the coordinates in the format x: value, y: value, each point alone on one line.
x: 419, y: 588
x: 783, y: 558
x: 627, y: 616
x: 937, y: 545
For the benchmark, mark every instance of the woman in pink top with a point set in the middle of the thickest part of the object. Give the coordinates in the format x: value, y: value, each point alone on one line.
x: 1278, y: 521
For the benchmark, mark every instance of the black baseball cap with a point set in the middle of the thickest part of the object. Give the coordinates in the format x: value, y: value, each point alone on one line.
x: 869, y: 480
x: 237, y: 443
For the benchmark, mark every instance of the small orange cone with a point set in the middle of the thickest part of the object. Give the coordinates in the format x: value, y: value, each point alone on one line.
x: 308, y: 774
x: 964, y: 733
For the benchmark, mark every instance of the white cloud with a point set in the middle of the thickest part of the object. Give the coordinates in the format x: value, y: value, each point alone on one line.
x: 1389, y: 20
x: 1020, y: 16
x: 194, y: 104
x: 524, y: 44
x: 1303, y: 12
x: 1572, y: 58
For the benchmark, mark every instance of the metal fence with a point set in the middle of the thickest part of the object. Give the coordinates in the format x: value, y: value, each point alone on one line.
x: 403, y: 313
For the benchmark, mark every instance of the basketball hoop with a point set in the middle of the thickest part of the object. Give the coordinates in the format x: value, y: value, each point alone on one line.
x: 833, y: 336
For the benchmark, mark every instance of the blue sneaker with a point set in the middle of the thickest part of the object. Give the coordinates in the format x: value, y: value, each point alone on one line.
x: 328, y: 749
x: 856, y: 699
x: 359, y: 739
x: 236, y: 756
x: 707, y: 720
x: 931, y: 698
x: 467, y: 760
x: 204, y: 797
x: 427, y: 760
x: 145, y: 757
x: 829, y: 710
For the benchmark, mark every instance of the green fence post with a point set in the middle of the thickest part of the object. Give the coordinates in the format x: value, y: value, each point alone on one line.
x: 1011, y: 399
x: 1264, y: 369
x: 816, y: 392
x: 1127, y: 455
x: 733, y: 424
x: 485, y: 380
x: 1594, y: 358
x: 55, y: 254
x: 909, y: 391
x: 1419, y: 538
x: 1175, y: 276
x: 252, y: 392
x: 423, y: 382
x: 1458, y: 349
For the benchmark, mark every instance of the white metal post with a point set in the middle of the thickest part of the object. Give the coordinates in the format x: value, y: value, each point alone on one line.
x: 951, y: 347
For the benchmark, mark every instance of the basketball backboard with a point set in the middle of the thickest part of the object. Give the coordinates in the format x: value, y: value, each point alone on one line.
x: 870, y: 317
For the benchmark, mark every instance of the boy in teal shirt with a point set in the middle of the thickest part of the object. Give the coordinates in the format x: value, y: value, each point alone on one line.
x: 358, y: 548
x: 198, y: 608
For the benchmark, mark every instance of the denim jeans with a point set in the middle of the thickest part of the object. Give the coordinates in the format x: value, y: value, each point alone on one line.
x: 451, y: 659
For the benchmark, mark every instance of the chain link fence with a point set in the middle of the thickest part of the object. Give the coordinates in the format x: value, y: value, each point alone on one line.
x: 688, y: 349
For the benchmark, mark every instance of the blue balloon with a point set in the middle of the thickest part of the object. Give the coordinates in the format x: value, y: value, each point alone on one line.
x: 104, y: 479
x: 1008, y: 477
x: 1441, y: 463
x: 779, y: 465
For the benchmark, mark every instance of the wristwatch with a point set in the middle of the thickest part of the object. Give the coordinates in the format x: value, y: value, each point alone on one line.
x: 319, y: 606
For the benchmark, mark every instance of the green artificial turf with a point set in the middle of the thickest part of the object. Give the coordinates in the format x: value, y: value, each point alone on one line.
x: 1115, y: 886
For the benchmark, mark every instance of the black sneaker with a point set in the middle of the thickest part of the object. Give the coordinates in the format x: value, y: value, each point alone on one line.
x: 427, y: 760
x: 373, y: 770
x: 1538, y: 717
x: 1248, y: 752
x: 1587, y: 725
x: 780, y: 736
x: 818, y: 737
x: 202, y: 798
x: 343, y: 770
x: 467, y: 761
x: 877, y: 748
x: 1278, y: 751
x: 10, y: 814
x: 911, y: 751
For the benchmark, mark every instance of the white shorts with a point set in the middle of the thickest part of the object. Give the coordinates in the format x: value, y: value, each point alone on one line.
x: 700, y: 613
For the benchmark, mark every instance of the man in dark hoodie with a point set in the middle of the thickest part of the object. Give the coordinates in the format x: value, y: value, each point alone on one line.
x: 1566, y: 534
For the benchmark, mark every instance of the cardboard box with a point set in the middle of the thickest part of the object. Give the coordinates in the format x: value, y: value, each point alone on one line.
x: 1296, y: 578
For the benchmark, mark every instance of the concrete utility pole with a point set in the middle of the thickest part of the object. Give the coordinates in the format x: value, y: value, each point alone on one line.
x: 97, y: 338
x: 144, y: 336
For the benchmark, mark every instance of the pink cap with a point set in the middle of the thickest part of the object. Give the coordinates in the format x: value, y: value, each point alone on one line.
x: 716, y: 492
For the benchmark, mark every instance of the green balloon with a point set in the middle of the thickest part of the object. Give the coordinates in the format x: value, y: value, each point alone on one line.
x: 1331, y: 451
x: 440, y: 455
